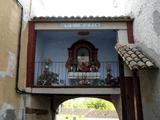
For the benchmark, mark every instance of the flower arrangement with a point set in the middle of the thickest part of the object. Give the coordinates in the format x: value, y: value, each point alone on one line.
x: 47, y: 77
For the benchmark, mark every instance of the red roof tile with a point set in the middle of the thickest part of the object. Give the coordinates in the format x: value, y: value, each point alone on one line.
x: 82, y: 19
x: 134, y: 58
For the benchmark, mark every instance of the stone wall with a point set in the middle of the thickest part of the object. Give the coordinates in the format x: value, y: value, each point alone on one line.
x: 146, y: 14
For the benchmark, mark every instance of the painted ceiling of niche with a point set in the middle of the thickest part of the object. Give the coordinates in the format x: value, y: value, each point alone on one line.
x: 67, y: 35
x: 55, y: 43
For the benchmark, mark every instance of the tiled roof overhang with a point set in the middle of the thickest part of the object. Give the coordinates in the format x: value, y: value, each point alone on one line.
x: 82, y: 19
x: 133, y: 57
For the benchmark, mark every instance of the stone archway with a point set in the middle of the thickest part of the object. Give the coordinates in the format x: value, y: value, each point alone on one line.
x: 57, y: 100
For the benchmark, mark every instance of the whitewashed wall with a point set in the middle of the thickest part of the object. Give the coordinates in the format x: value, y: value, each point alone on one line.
x: 146, y: 14
x: 146, y: 23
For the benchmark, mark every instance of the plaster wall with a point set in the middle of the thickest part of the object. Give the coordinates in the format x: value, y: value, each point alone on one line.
x: 9, y: 22
x: 146, y: 14
x: 122, y: 36
x: 12, y: 105
x: 38, y: 101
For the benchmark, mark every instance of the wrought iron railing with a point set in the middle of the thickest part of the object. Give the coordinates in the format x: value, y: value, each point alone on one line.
x: 55, y: 74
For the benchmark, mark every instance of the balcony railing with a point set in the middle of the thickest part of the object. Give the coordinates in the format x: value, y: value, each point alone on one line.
x: 55, y: 74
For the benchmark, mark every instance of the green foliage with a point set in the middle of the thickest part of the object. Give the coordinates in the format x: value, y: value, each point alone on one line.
x: 89, y: 103
x: 47, y: 78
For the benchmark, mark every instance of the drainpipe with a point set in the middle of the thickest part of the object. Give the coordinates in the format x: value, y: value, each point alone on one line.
x: 23, y: 92
x: 19, y: 51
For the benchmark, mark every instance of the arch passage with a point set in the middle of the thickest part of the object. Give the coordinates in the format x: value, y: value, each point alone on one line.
x: 100, y: 105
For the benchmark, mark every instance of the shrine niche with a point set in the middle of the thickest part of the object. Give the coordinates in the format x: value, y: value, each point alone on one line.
x: 82, y: 64
x: 82, y: 57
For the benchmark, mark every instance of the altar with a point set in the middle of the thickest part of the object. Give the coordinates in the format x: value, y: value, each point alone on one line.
x: 84, y: 75
x: 82, y: 64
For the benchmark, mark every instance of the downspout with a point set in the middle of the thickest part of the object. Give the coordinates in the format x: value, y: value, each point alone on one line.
x: 18, y: 62
x: 19, y: 51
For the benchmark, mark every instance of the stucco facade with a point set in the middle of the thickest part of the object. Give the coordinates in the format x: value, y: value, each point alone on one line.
x: 146, y: 14
x: 9, y: 22
x: 11, y: 102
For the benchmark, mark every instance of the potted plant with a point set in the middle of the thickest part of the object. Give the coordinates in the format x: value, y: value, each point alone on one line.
x: 47, y: 77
